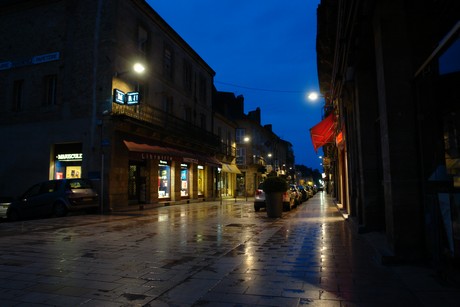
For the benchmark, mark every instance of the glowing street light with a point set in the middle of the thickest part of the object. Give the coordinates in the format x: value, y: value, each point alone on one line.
x: 139, y: 68
x: 313, y: 96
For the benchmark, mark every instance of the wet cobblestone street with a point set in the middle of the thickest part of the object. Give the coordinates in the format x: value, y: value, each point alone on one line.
x: 204, y: 254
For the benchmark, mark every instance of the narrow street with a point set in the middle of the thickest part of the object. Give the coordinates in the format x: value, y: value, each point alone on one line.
x: 205, y: 254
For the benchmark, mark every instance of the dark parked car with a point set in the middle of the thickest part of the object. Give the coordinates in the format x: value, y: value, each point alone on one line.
x: 54, y: 197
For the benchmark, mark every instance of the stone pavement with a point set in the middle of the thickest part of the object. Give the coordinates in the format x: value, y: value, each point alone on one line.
x: 205, y: 254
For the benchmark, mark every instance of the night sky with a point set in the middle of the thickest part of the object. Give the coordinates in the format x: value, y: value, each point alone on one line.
x: 263, y: 50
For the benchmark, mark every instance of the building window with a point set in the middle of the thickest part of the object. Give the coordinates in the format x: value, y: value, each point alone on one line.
x: 240, y: 134
x: 203, y: 121
x: 168, y: 104
x: 187, y: 76
x: 188, y: 114
x: 18, y: 88
x: 143, y: 90
x: 49, y: 90
x: 142, y: 40
x: 241, y: 156
x: 168, y: 63
x: 202, y: 89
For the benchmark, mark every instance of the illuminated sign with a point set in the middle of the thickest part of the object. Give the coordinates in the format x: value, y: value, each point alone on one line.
x: 130, y: 98
x: 118, y: 96
x: 70, y: 157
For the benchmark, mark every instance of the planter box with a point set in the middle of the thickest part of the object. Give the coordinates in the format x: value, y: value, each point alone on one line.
x: 274, y: 204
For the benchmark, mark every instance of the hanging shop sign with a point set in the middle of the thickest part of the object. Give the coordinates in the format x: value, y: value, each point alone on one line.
x: 130, y: 98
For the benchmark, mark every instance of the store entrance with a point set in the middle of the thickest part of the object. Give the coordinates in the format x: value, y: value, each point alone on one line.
x: 137, y: 182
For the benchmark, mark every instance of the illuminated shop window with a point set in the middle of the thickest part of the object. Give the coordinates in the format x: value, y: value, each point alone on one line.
x: 164, y: 180
x: 200, y: 180
x: 184, y: 179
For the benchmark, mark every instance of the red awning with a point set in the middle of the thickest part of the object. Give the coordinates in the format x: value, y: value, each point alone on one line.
x: 323, y: 132
x: 166, y: 153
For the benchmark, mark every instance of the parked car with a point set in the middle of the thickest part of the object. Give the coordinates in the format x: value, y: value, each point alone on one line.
x: 290, y: 198
x: 309, y: 190
x: 303, y: 192
x: 54, y: 197
x: 4, y: 204
x: 296, y: 194
x: 259, y: 198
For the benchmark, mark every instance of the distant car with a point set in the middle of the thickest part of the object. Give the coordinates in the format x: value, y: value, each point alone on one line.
x: 54, y: 197
x: 4, y: 204
x: 289, y: 199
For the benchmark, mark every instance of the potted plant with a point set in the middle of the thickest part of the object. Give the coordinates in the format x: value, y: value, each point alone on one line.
x: 274, y: 187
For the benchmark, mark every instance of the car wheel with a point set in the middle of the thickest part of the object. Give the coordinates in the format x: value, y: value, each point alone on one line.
x: 13, y: 216
x: 60, y: 209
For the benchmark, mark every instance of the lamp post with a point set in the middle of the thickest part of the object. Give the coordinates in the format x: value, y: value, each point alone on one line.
x: 246, y: 140
x: 138, y: 68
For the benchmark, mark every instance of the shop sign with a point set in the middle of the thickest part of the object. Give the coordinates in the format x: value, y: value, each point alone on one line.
x: 70, y: 157
x: 118, y: 96
x: 130, y: 98
x: 151, y: 156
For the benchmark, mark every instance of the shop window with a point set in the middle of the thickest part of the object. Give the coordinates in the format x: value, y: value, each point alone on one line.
x: 68, y: 161
x: 200, y: 180
x: 184, y: 180
x: 164, y: 180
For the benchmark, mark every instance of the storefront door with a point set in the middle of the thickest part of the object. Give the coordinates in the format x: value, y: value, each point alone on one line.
x: 137, y: 188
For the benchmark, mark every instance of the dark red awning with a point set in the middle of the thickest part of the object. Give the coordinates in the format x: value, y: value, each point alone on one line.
x: 323, y: 132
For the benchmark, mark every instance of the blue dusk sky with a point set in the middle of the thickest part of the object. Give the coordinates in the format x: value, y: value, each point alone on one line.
x: 263, y: 50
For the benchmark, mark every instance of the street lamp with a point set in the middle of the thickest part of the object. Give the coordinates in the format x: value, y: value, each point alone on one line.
x: 313, y: 96
x: 138, y: 68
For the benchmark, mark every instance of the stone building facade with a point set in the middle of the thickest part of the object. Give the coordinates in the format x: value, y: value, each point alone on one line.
x: 72, y: 106
x: 388, y: 71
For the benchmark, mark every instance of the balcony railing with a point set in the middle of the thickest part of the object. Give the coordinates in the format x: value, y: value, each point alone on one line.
x: 158, y: 120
